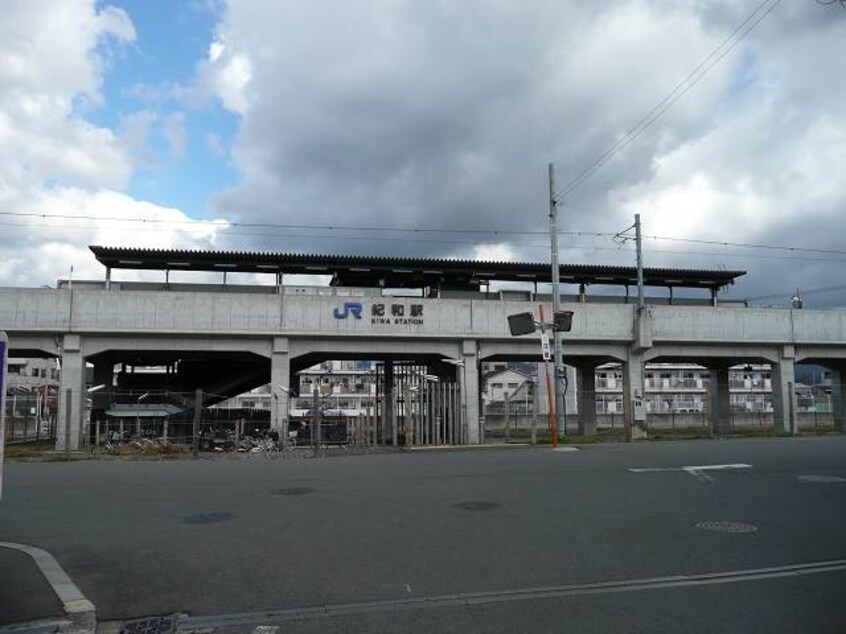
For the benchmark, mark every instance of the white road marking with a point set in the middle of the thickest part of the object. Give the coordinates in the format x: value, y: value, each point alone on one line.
x: 73, y: 601
x: 466, y: 599
x: 697, y: 471
x: 700, y: 475
x: 266, y: 629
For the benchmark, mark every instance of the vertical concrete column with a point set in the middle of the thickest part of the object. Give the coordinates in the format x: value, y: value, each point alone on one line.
x: 388, y: 403
x: 586, y: 398
x: 719, y: 398
x: 73, y: 379
x: 784, y: 392
x: 633, y: 390
x: 838, y: 411
x: 280, y: 375
x: 469, y: 375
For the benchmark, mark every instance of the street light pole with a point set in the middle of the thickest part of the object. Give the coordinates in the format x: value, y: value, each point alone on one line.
x: 558, y: 373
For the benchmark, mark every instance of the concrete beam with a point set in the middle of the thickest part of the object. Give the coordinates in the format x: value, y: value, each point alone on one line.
x: 529, y: 349
x: 733, y: 354
x: 370, y: 348
x: 23, y: 345
x: 95, y: 345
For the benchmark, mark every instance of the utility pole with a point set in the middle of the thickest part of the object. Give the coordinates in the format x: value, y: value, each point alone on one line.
x: 639, y: 245
x: 558, y: 372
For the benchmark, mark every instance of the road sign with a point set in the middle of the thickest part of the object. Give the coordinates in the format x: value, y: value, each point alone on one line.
x: 562, y: 320
x: 521, y: 324
x: 546, y: 349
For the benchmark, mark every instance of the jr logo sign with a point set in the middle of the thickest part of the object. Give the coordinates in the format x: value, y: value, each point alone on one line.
x: 350, y: 308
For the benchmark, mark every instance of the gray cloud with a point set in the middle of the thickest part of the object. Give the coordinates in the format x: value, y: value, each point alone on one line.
x: 408, y: 115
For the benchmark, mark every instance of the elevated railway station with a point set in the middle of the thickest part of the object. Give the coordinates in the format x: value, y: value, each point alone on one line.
x: 443, y: 316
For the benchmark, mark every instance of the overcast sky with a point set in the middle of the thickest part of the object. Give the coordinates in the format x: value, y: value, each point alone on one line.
x: 386, y: 114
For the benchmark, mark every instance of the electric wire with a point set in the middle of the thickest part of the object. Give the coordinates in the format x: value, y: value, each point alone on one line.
x: 713, y: 58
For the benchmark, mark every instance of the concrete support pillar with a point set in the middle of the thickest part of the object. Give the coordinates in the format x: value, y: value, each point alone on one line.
x: 719, y: 399
x: 784, y: 392
x: 388, y: 403
x: 634, y: 411
x: 280, y: 377
x: 586, y: 398
x: 838, y: 407
x: 73, y: 379
x: 469, y: 381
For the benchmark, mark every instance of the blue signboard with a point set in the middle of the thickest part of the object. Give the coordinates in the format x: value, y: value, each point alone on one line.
x: 3, y: 360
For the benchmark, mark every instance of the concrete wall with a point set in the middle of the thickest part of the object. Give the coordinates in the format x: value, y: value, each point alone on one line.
x: 162, y: 312
x: 331, y: 321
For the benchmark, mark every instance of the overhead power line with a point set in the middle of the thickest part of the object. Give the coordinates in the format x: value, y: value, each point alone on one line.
x: 712, y: 59
x: 224, y: 224
x: 336, y: 232
x: 810, y: 291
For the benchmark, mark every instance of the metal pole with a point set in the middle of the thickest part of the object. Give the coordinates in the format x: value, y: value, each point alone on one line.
x: 639, y: 245
x: 408, y: 421
x: 394, y: 413
x: 550, y: 393
x: 558, y: 375
x: 534, y: 415
x: 195, y: 433
x: 315, y: 423
x: 507, y: 418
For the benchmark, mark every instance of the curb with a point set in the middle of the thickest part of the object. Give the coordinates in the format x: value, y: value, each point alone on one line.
x: 79, y: 610
x: 510, y: 445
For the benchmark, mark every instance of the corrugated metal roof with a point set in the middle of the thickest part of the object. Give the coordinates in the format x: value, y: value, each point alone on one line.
x: 391, y: 271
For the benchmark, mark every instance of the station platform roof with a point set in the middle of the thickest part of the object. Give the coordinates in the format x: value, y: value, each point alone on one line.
x: 405, y: 272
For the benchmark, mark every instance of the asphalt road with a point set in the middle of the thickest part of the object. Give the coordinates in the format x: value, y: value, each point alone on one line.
x: 215, y: 537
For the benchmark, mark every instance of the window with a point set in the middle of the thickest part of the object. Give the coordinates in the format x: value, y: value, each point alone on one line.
x: 513, y: 385
x: 496, y: 386
x: 35, y: 372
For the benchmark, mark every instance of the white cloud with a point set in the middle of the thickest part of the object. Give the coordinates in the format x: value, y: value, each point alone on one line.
x: 225, y: 73
x: 53, y: 55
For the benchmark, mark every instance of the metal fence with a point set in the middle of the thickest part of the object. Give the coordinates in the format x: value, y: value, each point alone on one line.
x: 28, y: 418
x: 515, y: 420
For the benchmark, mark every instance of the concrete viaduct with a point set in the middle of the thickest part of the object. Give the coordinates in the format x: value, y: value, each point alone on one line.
x: 286, y: 329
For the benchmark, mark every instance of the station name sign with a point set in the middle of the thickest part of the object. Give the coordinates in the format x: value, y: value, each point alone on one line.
x: 383, y: 314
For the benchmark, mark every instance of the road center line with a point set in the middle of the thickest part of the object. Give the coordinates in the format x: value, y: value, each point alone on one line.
x: 521, y: 594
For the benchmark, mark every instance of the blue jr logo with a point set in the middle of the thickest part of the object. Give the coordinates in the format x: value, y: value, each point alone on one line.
x: 350, y: 308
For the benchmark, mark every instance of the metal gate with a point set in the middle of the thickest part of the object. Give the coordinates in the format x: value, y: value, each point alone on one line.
x: 411, y: 407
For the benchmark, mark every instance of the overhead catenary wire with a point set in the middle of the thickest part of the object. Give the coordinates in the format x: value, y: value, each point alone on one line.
x: 810, y: 291
x: 433, y: 230
x: 712, y: 59
x: 336, y: 234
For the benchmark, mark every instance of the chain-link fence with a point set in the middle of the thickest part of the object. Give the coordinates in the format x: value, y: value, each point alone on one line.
x: 688, y: 413
x: 30, y: 416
